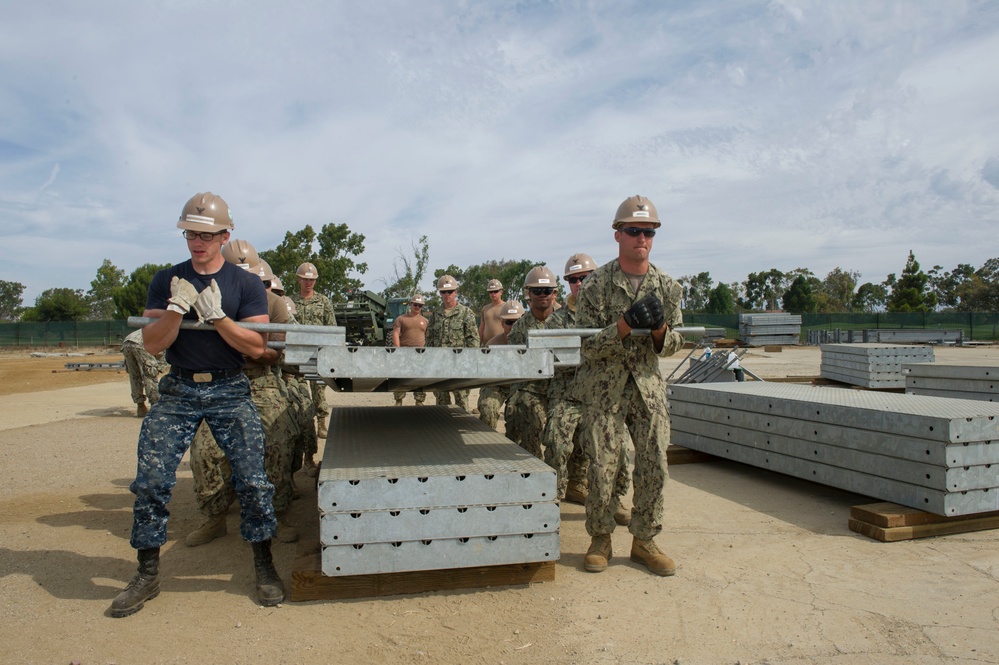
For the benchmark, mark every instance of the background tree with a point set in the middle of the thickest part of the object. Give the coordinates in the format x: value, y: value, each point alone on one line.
x: 835, y: 293
x: 980, y: 292
x: 130, y: 298
x: 763, y: 290
x: 947, y: 284
x: 338, y: 248
x: 870, y: 298
x: 409, y: 273
x: 911, y: 292
x: 721, y: 300
x: 102, y: 289
x: 511, y: 273
x: 696, y: 291
x: 799, y: 299
x: 60, y: 304
x: 11, y: 300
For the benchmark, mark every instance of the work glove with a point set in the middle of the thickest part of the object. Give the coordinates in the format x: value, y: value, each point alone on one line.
x: 646, y: 313
x: 182, y: 295
x: 209, y: 304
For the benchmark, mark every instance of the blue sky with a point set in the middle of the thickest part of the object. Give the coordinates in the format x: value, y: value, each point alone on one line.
x: 768, y: 134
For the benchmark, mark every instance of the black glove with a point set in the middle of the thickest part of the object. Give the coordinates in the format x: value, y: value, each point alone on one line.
x: 646, y: 313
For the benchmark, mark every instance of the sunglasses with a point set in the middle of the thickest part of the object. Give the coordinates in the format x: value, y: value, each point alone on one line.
x: 448, y: 292
x: 206, y: 237
x: 417, y: 305
x: 572, y: 279
x: 509, y: 322
x: 634, y: 232
x: 542, y: 290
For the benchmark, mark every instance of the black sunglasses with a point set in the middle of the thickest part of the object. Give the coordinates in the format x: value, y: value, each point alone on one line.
x: 572, y: 279
x: 542, y: 290
x: 417, y: 305
x: 509, y: 322
x: 634, y: 231
x: 448, y: 292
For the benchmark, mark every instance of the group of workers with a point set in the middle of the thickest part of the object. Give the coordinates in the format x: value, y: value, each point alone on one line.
x: 251, y: 422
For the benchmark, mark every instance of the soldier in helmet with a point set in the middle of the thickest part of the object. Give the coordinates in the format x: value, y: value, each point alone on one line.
x: 527, y: 408
x: 453, y: 326
x: 314, y: 309
x: 206, y: 383
x: 489, y: 319
x: 492, y: 398
x: 410, y: 329
x: 563, y: 451
x: 621, y: 369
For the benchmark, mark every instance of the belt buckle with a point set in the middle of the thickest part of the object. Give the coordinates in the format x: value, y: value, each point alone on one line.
x: 202, y: 377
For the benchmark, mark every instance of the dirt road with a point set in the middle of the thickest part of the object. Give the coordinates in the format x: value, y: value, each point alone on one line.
x: 769, y: 572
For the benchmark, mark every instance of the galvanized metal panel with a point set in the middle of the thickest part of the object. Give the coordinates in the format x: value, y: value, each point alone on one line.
x: 933, y: 501
x: 935, y: 452
x: 964, y: 385
x: 381, y: 526
x: 984, y: 372
x: 955, y: 421
x: 953, y: 394
x: 872, y: 350
x: 438, y: 554
x: 867, y: 381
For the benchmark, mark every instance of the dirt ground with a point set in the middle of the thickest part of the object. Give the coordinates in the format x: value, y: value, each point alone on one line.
x: 768, y: 570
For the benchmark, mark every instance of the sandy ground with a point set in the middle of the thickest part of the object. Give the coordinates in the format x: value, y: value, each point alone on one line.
x: 768, y: 570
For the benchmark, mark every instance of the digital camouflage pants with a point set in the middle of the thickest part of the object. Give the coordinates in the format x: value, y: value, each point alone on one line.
x: 526, y: 415
x: 564, y: 451
x: 491, y: 403
x: 143, y: 373
x: 443, y: 397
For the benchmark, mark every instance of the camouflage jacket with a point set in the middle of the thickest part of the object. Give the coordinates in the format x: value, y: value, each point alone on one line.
x: 454, y: 328
x: 316, y: 311
x: 518, y: 337
x: 607, y: 360
x: 562, y: 318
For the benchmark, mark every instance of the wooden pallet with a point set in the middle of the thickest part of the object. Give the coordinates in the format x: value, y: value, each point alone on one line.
x: 681, y: 455
x: 890, y: 522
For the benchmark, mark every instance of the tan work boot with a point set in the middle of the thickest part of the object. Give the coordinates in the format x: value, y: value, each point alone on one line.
x: 309, y: 466
x: 321, y: 430
x: 286, y: 533
x: 141, y: 410
x: 648, y: 553
x: 622, y: 514
x: 576, y: 493
x: 213, y: 527
x: 598, y: 555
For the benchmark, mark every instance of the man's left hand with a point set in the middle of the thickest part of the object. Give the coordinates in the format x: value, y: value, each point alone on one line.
x: 209, y: 304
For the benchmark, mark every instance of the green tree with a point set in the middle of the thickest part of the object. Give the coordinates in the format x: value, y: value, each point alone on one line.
x: 835, y: 293
x: 911, y: 292
x: 763, y: 289
x: 948, y: 284
x: 980, y: 292
x: 870, y: 298
x: 511, y: 273
x: 721, y: 300
x: 338, y: 248
x: 60, y: 304
x: 697, y: 290
x: 11, y: 300
x: 130, y: 298
x: 409, y: 272
x: 102, y: 289
x: 799, y: 299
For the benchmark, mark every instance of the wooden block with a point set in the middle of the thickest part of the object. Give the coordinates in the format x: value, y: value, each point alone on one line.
x: 681, y: 455
x: 773, y: 349
x: 895, y: 534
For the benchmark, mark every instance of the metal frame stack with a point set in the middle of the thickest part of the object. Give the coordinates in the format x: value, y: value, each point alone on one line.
x: 770, y: 329
x: 871, y: 365
x: 979, y: 382
x: 931, y: 453
x: 430, y: 488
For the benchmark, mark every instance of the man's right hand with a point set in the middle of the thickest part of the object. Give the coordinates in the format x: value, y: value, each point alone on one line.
x: 183, y: 295
x: 646, y: 313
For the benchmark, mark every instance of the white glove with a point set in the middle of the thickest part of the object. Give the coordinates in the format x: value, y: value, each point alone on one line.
x: 209, y: 304
x: 183, y: 295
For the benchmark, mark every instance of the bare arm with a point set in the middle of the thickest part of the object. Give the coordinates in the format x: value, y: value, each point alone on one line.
x: 160, y: 334
x: 395, y: 335
x: 249, y: 343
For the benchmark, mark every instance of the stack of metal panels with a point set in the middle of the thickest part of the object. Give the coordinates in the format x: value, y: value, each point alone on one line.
x: 428, y: 488
x: 979, y: 382
x: 871, y: 365
x: 770, y: 329
x: 931, y: 453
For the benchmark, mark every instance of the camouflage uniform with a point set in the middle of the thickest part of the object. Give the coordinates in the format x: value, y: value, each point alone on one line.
x: 563, y: 450
x: 491, y: 401
x: 527, y: 408
x: 143, y: 369
x: 316, y: 311
x: 453, y: 328
x: 303, y: 410
x: 622, y: 390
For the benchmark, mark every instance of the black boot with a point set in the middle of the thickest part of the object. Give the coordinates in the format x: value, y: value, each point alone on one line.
x: 270, y: 588
x: 144, y: 586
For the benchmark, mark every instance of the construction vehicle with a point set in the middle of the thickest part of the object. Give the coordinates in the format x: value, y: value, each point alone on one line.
x: 368, y: 317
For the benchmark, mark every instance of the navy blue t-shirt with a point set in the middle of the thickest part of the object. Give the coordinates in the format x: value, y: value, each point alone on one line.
x: 243, y: 296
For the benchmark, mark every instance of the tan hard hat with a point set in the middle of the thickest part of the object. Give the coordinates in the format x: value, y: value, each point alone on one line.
x: 579, y: 263
x: 276, y: 286
x: 447, y: 283
x: 540, y: 276
x: 512, y: 310
x: 263, y: 270
x: 418, y: 300
x: 205, y: 213
x: 240, y: 252
x: 307, y: 271
x: 635, y: 209
x: 494, y: 285
x: 290, y: 304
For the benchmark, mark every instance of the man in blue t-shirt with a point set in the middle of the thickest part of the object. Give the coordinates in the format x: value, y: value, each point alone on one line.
x: 206, y: 383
